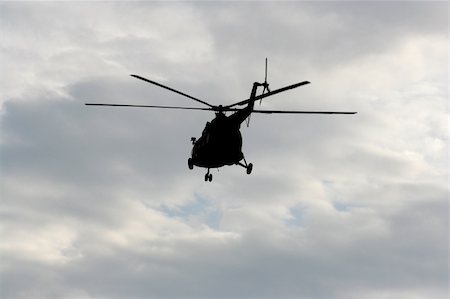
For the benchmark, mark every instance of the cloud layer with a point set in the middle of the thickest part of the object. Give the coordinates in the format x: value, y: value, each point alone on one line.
x: 99, y: 202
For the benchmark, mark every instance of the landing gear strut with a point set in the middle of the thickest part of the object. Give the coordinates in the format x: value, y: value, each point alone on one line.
x: 190, y: 163
x: 248, y: 167
x: 208, y: 176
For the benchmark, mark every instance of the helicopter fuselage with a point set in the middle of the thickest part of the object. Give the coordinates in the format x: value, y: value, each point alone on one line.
x: 219, y: 145
x: 221, y: 140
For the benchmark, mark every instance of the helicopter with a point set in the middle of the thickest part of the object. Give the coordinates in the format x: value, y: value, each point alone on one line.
x: 221, y: 141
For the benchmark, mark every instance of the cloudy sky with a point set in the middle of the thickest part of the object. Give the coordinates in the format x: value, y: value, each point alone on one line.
x: 99, y: 202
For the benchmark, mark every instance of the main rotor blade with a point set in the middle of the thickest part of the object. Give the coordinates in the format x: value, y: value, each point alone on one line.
x: 171, y: 89
x: 148, y: 106
x: 300, y: 112
x: 269, y: 93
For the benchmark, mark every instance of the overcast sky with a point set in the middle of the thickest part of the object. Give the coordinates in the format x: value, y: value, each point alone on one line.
x: 98, y: 202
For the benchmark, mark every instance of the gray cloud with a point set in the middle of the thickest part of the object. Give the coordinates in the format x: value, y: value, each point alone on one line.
x: 99, y: 203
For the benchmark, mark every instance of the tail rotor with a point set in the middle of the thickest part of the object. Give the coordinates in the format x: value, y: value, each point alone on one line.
x: 265, y: 84
x: 266, y: 89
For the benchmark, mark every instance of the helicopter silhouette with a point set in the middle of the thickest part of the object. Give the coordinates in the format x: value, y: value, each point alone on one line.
x: 221, y: 141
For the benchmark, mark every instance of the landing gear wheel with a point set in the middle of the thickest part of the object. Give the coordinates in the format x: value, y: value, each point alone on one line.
x: 190, y: 163
x: 208, y: 177
x: 249, y: 168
